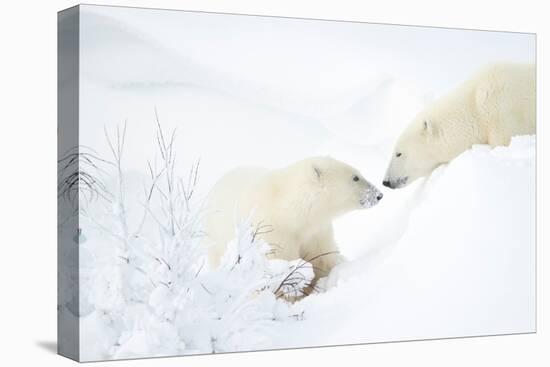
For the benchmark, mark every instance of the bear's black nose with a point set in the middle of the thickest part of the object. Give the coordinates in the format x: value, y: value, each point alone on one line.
x: 386, y: 183
x: 380, y: 196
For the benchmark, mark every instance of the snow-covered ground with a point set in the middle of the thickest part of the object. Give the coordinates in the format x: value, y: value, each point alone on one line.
x: 451, y: 255
x: 457, y: 259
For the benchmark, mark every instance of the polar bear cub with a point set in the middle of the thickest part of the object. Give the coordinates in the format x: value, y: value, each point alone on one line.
x: 297, y: 202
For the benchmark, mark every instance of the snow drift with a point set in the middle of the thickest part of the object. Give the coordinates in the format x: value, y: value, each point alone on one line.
x: 463, y: 263
x: 452, y: 255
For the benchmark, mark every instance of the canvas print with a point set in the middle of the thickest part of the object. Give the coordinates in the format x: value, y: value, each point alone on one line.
x: 233, y: 183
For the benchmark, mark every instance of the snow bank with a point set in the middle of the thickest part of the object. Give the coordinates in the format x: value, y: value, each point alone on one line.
x: 463, y: 263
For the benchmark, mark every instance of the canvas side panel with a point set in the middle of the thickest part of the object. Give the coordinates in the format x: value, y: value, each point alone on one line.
x: 67, y: 212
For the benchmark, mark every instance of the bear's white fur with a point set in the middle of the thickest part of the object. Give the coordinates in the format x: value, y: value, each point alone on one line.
x: 496, y: 104
x: 294, y: 205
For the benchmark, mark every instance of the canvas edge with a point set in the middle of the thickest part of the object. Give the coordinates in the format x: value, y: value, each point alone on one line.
x: 68, y: 303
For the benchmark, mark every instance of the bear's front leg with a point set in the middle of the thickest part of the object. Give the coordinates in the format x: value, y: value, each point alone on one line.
x: 325, y: 262
x: 323, y: 259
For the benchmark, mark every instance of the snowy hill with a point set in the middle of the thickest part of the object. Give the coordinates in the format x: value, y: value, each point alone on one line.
x: 463, y: 262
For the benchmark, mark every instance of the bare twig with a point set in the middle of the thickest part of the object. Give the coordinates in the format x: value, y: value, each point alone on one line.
x: 292, y: 280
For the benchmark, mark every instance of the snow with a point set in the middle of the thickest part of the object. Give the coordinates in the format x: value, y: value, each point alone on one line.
x: 449, y: 255
x: 469, y: 273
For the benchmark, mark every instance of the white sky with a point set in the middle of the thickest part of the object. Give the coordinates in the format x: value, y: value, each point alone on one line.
x: 318, y: 58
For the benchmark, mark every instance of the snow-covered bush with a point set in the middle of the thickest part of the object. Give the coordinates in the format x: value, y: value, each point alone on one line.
x: 146, y: 288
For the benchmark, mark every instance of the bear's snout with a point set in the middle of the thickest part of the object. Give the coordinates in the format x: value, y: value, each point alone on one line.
x: 370, y: 197
x: 397, y: 183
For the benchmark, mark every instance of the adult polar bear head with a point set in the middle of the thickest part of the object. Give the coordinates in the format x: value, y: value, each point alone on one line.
x: 425, y: 144
x: 496, y: 104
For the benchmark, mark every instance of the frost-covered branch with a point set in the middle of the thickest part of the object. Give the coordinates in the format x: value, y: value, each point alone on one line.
x: 153, y: 288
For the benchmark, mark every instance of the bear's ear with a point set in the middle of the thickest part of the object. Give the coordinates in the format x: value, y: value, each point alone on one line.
x: 317, y: 172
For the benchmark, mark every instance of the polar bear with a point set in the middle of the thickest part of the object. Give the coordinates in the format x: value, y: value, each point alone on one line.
x: 496, y: 104
x: 297, y: 202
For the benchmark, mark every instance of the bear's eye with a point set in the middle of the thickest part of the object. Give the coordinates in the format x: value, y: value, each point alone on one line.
x: 398, y: 155
x: 355, y: 178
